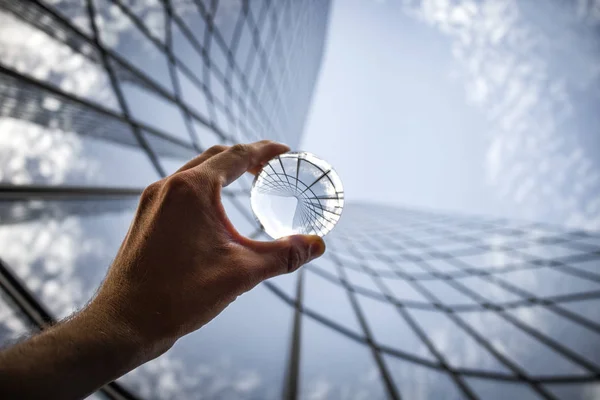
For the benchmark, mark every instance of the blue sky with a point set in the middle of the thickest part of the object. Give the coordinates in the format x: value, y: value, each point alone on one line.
x: 462, y: 107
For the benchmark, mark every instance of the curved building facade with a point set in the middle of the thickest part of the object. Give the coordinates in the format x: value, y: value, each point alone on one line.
x: 98, y: 98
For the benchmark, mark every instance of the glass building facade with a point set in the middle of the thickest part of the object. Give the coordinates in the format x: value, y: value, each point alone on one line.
x: 98, y: 98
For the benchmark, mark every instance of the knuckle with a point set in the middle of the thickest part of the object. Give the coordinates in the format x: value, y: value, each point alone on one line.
x: 218, y: 148
x: 152, y: 189
x: 240, y: 149
x: 149, y: 194
x: 178, y: 185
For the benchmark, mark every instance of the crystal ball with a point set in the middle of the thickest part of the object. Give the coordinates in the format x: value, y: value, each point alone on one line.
x: 297, y: 193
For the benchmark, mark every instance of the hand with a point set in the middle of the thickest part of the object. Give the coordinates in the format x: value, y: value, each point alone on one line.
x: 182, y: 261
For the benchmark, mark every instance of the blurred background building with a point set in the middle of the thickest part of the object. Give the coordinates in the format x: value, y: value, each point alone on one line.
x: 98, y: 98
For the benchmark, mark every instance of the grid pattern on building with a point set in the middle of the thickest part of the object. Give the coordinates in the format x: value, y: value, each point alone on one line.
x: 406, y: 304
x: 483, y: 305
x: 130, y: 90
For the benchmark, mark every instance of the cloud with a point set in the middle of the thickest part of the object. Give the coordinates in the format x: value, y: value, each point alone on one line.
x: 528, y: 80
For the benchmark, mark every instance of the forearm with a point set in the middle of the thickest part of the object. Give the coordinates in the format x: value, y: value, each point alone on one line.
x: 71, y: 359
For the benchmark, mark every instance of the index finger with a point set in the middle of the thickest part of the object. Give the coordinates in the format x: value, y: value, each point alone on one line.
x: 230, y: 164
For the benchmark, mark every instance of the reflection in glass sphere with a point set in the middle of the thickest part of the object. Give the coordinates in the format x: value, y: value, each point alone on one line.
x: 297, y: 193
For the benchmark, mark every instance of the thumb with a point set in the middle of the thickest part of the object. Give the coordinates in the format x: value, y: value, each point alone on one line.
x: 289, y: 253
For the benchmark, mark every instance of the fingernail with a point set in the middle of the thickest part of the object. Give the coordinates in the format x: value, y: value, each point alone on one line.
x: 316, y: 248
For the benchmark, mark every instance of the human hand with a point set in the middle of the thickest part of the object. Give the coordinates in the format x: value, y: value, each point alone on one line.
x: 182, y: 261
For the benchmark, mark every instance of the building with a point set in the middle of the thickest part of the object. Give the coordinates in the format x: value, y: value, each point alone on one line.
x: 98, y: 98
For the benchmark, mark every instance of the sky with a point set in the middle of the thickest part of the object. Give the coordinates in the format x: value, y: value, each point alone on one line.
x: 463, y: 106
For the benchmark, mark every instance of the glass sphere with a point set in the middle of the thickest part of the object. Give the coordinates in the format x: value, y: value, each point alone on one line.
x: 297, y: 193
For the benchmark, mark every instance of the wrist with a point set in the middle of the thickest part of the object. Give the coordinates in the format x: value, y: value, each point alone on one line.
x: 116, y: 329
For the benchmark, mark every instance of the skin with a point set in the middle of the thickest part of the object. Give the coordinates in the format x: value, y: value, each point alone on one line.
x: 181, y: 263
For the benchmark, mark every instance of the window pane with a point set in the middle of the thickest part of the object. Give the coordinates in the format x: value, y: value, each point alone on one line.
x: 226, y: 17
x: 155, y: 111
x: 13, y: 323
x: 492, y: 292
x: 570, y: 334
x: 58, y: 65
x: 243, y: 222
x: 589, y: 309
x: 360, y: 278
x: 493, y: 259
x: 402, y: 290
x: 533, y: 356
x: 592, y: 266
x: 582, y: 391
x: 330, y: 300
x: 335, y: 367
x: 458, y: 347
x: 241, y: 354
x: 414, y: 381
x: 389, y: 328
x: 446, y: 294
x: 548, y: 281
x: 118, y: 33
x: 33, y: 154
x: 287, y: 283
x: 500, y: 390
x: 62, y: 252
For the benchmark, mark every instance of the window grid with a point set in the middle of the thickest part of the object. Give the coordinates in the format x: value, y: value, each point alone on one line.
x: 257, y: 104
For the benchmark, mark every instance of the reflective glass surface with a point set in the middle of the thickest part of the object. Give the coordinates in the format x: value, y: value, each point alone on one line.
x: 99, y: 98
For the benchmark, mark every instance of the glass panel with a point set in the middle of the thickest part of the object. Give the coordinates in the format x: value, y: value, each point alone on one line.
x: 548, y: 251
x: 13, y: 323
x: 217, y: 88
x: 241, y: 354
x: 244, y: 223
x: 492, y: 259
x: 445, y: 293
x: 193, y: 95
x: 500, y: 390
x: 62, y: 252
x: 379, y: 265
x: 226, y: 17
x: 192, y: 18
x: 592, y: 266
x: 547, y: 281
x: 442, y: 265
x: 335, y: 367
x: 330, y: 300
x: 206, y: 136
x: 589, y: 309
x: 488, y: 290
x: 118, y: 33
x: 74, y: 11
x: 32, y: 154
x: 458, y: 347
x: 525, y: 350
x: 287, y: 283
x: 569, y: 334
x: 389, y: 328
x: 244, y: 48
x: 187, y: 52
x: 402, y: 290
x: 152, y: 14
x: 155, y: 111
x: 414, y: 381
x: 360, y: 279
x: 218, y: 58
x: 170, y: 149
x: 580, y: 391
x: 58, y: 64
